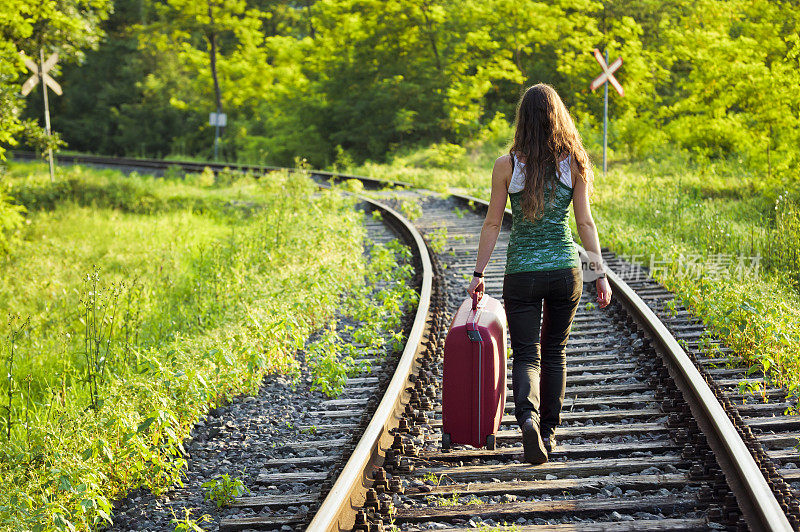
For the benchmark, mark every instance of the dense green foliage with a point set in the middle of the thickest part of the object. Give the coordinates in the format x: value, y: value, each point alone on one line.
x: 10, y: 219
x: 135, y: 305
x: 341, y: 80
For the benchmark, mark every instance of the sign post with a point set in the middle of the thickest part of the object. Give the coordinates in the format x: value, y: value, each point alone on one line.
x: 40, y: 74
x: 604, y: 79
x: 218, y: 120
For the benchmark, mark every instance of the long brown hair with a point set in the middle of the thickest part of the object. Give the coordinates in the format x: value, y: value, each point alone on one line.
x: 544, y: 133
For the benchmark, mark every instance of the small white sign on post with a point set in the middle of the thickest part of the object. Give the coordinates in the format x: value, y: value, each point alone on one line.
x: 217, y: 119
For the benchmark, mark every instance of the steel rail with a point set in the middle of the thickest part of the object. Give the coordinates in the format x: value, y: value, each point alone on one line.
x: 337, y: 511
x: 757, y: 501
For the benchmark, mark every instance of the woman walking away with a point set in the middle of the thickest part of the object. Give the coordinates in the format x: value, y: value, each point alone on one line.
x: 546, y: 169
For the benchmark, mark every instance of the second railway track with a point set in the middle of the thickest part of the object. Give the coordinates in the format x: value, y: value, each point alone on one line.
x: 654, y: 435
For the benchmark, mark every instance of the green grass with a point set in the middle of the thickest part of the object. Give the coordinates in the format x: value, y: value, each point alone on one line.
x: 136, y: 304
x: 724, y: 243
x: 701, y: 221
x: 377, y: 308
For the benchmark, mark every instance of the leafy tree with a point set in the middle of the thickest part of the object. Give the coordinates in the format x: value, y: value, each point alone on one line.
x: 67, y: 27
x: 731, y: 66
x: 215, y: 58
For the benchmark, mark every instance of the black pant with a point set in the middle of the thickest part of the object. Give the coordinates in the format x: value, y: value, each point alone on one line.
x: 540, y: 371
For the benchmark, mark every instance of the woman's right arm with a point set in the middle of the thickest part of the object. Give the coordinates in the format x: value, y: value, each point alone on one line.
x: 587, y: 231
x: 501, y: 174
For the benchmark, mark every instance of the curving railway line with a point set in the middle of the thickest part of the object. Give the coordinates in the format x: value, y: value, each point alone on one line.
x: 656, y: 434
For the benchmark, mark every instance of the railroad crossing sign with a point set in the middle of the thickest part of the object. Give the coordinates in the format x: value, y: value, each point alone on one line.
x: 608, y: 72
x: 40, y: 74
x: 604, y: 79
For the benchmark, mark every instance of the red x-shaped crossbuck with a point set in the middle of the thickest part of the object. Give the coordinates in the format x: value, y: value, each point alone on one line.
x: 608, y: 73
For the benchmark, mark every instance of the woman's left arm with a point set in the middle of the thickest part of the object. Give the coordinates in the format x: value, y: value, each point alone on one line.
x: 494, y: 220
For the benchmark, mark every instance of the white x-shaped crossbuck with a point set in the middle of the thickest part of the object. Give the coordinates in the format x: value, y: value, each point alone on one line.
x: 608, y: 73
x: 37, y: 74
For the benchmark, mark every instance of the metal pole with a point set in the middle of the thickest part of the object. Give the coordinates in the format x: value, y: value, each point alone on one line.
x: 46, y: 113
x: 216, y: 133
x: 605, y: 120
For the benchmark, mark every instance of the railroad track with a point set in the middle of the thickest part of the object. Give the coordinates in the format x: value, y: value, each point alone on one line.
x: 654, y: 433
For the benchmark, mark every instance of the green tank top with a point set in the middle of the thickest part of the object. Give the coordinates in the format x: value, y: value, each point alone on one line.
x: 545, y: 244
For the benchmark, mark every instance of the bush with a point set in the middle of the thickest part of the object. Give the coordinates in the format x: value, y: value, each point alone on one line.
x: 442, y: 155
x: 11, y: 219
x: 129, y: 195
x: 105, y: 189
x: 492, y: 139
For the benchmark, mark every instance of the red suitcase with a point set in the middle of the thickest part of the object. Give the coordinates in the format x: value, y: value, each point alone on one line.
x: 474, y: 375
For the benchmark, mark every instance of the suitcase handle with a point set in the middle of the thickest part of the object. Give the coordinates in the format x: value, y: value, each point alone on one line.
x: 475, y: 300
x: 472, y: 324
